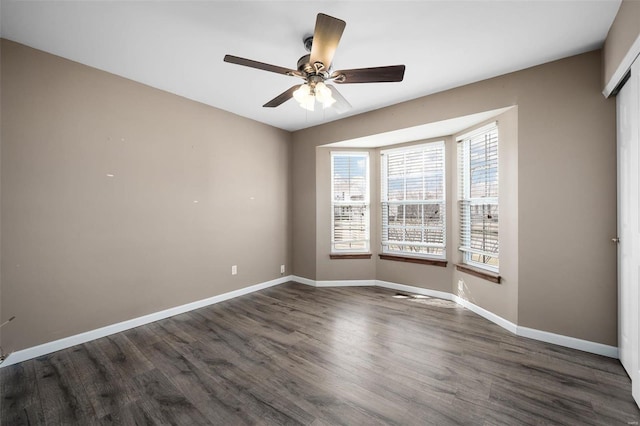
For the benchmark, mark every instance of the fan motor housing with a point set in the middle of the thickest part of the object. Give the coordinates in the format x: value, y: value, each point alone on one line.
x: 309, y: 70
x: 304, y: 64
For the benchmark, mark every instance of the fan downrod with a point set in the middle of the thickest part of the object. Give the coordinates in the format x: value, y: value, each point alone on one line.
x: 308, y: 42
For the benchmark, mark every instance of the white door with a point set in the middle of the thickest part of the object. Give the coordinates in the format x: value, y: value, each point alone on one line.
x: 628, y: 108
x: 633, y: 233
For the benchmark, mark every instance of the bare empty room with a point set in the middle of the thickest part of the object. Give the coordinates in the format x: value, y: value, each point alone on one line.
x: 319, y: 213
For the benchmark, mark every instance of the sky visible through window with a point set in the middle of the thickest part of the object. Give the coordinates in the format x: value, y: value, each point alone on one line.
x: 350, y: 174
x: 350, y: 202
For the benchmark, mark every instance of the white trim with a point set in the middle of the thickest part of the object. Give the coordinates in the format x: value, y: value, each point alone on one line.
x: 544, y: 336
x: 569, y: 342
x: 410, y: 148
x: 346, y: 283
x: 366, y: 203
x: 496, y: 319
x: 302, y: 280
x: 67, y: 342
x: 476, y: 132
x: 623, y: 67
x: 424, y: 149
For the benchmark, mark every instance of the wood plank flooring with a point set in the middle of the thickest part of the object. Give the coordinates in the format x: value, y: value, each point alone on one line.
x: 294, y: 354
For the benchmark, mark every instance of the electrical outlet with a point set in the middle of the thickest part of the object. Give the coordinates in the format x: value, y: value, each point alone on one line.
x: 460, y: 285
x: 282, y: 269
x: 234, y: 270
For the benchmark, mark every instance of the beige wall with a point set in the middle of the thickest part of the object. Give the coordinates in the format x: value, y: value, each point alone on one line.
x: 566, y: 190
x: 304, y: 209
x: 567, y: 202
x: 82, y: 250
x: 623, y: 33
x: 500, y: 299
x: 339, y: 269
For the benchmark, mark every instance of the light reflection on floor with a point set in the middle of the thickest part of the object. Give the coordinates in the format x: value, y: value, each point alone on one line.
x: 357, y: 335
x: 427, y: 300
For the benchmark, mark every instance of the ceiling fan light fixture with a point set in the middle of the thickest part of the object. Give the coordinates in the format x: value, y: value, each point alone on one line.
x: 302, y: 92
x: 307, y: 96
x: 304, y: 97
x: 315, y: 68
x: 324, y: 95
x: 308, y: 103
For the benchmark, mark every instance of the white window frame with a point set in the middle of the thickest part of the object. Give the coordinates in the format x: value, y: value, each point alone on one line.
x: 364, y: 203
x: 465, y: 201
x: 385, y: 201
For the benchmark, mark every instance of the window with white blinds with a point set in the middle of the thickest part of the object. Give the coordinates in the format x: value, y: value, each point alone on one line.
x: 349, y: 202
x: 478, y: 197
x: 413, y: 200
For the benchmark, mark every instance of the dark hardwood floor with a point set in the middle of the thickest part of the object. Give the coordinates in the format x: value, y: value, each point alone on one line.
x: 294, y: 354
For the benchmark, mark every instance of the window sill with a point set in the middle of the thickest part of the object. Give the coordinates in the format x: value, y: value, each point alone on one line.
x: 433, y: 262
x: 350, y: 256
x: 477, y: 272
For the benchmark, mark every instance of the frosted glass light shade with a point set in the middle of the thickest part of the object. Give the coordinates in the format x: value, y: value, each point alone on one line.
x: 307, y: 100
x: 324, y: 95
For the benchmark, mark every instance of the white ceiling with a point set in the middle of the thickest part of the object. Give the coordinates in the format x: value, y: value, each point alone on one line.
x: 178, y: 46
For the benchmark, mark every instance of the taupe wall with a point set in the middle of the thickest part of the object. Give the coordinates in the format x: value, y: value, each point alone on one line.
x: 566, y: 188
x: 303, y: 174
x: 82, y: 250
x: 567, y: 202
x: 623, y: 32
x: 340, y: 269
x: 500, y: 299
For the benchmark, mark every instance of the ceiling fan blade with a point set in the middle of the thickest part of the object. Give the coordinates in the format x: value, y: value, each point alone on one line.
x: 370, y: 75
x: 341, y: 105
x: 326, y: 37
x: 259, y: 65
x: 281, y: 98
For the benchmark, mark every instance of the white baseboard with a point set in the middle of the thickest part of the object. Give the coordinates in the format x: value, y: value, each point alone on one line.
x: 302, y: 280
x: 67, y: 342
x: 496, y: 319
x: 334, y: 283
x: 346, y: 283
x: 569, y: 342
x: 543, y: 336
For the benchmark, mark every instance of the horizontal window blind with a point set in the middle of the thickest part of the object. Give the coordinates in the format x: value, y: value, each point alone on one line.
x: 413, y: 200
x: 478, y: 197
x: 350, y: 202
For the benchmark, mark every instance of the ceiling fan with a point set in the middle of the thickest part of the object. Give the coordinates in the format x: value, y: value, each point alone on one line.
x: 315, y: 69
